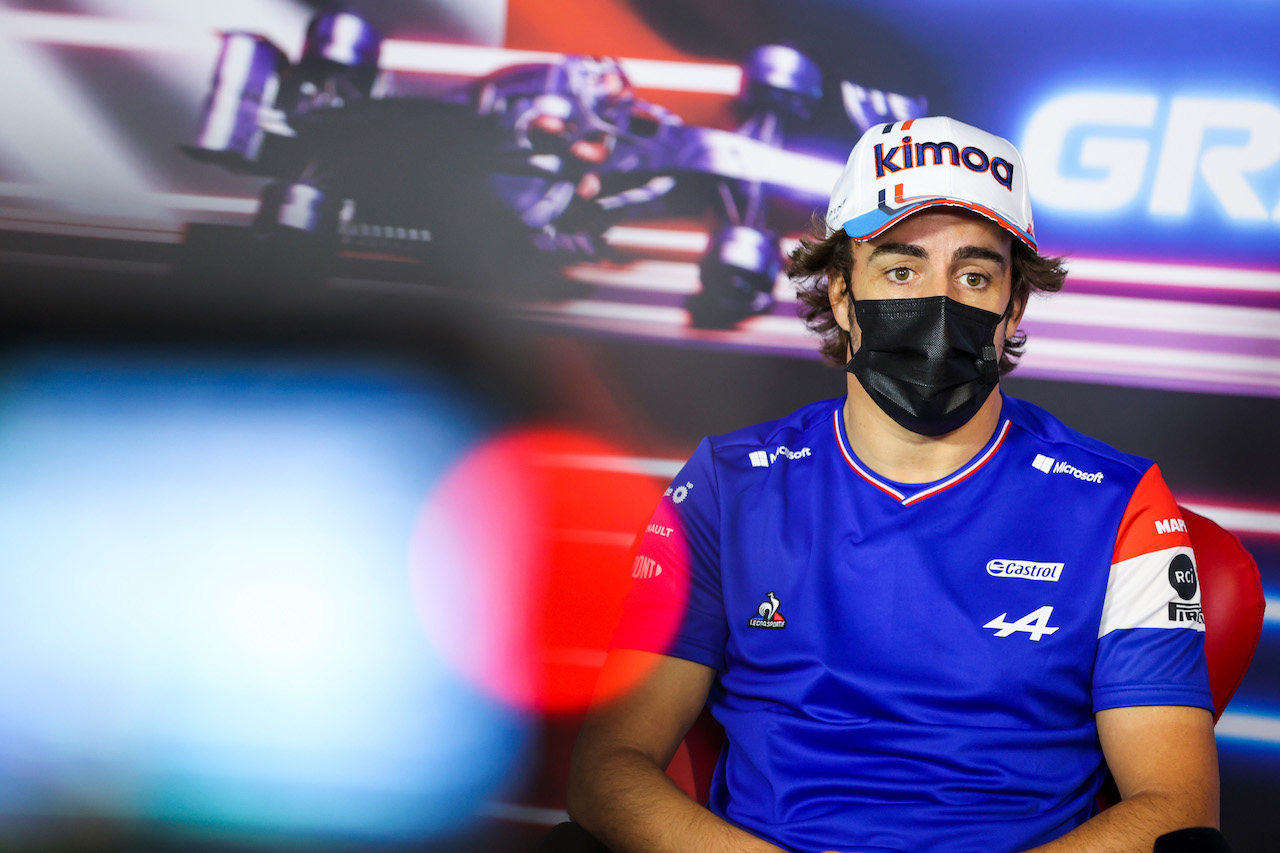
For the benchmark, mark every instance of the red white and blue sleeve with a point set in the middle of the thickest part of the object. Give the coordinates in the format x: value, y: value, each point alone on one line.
x: 1151, y: 634
x: 674, y: 606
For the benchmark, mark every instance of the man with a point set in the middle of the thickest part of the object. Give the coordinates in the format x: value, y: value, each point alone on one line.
x: 929, y: 616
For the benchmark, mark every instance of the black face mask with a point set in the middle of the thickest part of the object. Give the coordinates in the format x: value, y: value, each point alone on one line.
x: 929, y: 363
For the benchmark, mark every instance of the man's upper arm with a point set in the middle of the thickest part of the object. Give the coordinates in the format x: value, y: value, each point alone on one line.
x: 1151, y: 633
x: 650, y: 701
x: 1165, y: 751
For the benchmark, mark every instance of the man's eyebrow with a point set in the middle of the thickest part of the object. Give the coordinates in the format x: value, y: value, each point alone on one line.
x: 979, y: 253
x: 898, y: 249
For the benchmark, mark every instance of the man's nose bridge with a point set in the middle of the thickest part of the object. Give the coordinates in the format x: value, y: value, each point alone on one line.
x: 937, y: 283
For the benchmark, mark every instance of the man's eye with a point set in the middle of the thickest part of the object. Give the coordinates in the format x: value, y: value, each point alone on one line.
x: 900, y: 274
x: 974, y: 279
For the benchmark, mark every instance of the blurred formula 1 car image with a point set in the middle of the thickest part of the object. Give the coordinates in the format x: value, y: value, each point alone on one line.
x: 542, y: 157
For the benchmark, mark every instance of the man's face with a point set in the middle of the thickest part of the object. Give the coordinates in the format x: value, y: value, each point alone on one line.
x: 937, y: 252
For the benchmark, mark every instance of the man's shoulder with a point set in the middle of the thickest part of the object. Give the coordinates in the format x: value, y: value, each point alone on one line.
x: 789, y: 428
x: 1045, y: 427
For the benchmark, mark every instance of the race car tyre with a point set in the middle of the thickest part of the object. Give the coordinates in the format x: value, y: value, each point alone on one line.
x: 297, y: 207
x: 737, y: 275
x: 775, y: 77
x: 339, y: 62
x: 344, y: 39
x: 245, y: 82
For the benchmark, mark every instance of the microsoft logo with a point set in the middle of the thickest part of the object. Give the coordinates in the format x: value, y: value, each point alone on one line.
x: 1043, y: 463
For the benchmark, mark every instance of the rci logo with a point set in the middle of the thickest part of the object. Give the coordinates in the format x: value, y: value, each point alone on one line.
x: 1100, y: 151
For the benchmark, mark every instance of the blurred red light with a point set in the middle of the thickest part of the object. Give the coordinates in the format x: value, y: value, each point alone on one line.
x: 521, y: 560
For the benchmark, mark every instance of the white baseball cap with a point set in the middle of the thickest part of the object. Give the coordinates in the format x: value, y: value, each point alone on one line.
x: 900, y: 168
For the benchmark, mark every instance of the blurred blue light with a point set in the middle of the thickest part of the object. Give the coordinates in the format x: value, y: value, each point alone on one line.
x: 205, y: 613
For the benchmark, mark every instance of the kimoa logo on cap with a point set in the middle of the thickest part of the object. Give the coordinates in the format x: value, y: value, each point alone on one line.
x: 913, y: 156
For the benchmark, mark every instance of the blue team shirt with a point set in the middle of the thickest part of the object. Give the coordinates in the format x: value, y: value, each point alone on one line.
x: 916, y: 667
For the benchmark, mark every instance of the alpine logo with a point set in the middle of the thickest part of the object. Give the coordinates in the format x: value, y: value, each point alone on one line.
x: 1035, y: 623
x: 1049, y: 465
x: 763, y: 458
x: 767, y: 615
x: 1025, y: 569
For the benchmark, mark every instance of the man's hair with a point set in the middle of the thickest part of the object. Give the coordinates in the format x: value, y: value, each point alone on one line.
x: 825, y: 254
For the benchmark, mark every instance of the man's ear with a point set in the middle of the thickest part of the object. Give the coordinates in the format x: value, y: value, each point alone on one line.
x: 838, y: 293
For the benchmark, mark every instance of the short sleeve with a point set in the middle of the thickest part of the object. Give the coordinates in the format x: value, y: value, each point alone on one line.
x: 674, y: 606
x: 1151, y: 634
